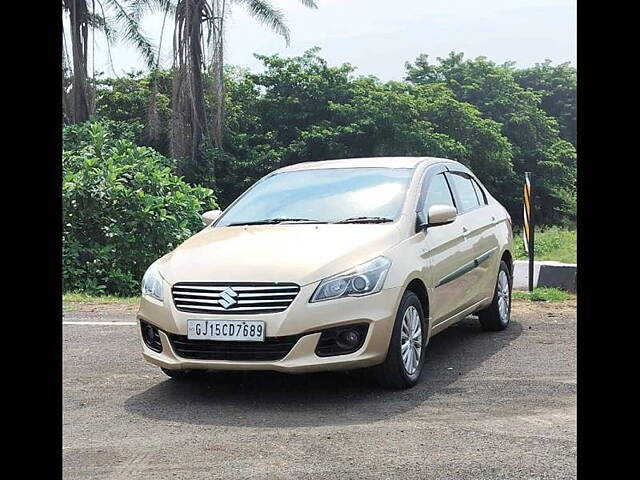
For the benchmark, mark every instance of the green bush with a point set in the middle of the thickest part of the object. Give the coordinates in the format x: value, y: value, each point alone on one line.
x: 74, y: 137
x: 122, y: 209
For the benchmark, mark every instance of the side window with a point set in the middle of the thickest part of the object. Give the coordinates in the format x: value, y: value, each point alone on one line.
x: 438, y: 193
x: 482, y: 198
x: 466, y: 191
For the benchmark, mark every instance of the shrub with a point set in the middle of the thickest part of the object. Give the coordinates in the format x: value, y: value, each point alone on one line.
x: 122, y: 209
x: 74, y: 137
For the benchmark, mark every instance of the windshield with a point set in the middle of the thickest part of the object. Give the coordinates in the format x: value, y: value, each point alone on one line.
x: 353, y: 195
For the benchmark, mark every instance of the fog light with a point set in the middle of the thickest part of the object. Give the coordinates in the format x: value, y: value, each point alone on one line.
x: 149, y: 334
x: 348, y: 339
x: 341, y: 340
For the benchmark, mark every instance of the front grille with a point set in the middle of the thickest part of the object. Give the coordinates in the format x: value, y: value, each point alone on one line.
x: 273, y: 348
x: 239, y: 298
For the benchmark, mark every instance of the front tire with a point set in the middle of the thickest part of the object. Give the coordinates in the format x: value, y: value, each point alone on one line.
x: 497, y: 316
x: 405, y: 357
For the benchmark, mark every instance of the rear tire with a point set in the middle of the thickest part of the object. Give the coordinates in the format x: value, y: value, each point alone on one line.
x: 497, y: 316
x: 181, y: 374
x: 405, y: 357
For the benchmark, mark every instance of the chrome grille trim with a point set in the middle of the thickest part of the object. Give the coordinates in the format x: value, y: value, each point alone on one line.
x: 251, y: 298
x: 240, y: 302
x: 236, y: 288
x: 179, y: 293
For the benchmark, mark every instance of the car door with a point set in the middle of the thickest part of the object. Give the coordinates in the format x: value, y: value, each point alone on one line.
x: 444, y: 250
x: 479, y: 238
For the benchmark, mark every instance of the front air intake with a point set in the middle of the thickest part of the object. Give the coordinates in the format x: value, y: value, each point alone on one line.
x: 273, y: 348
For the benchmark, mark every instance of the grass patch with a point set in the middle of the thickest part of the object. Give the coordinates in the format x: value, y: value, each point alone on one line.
x: 552, y: 243
x: 78, y: 297
x: 542, y: 294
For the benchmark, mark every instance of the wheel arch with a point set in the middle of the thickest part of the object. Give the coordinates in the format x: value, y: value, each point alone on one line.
x: 508, y: 259
x: 417, y: 286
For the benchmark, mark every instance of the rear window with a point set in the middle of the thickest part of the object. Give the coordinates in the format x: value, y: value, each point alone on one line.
x: 482, y: 198
x: 466, y: 191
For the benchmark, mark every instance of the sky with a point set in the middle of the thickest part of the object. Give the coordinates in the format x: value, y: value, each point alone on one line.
x: 379, y: 36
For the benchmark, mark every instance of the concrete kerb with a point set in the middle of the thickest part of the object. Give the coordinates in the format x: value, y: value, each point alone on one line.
x: 545, y: 274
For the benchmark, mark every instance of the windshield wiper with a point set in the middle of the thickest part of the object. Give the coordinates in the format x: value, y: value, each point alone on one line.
x: 365, y: 220
x: 269, y: 221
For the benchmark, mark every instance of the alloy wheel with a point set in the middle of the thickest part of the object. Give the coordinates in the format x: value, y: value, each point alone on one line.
x: 503, y: 296
x: 411, y: 340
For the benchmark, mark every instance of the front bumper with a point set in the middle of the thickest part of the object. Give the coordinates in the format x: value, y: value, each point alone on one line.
x: 377, y: 310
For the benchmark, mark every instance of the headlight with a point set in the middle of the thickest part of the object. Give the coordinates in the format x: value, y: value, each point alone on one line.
x: 152, y: 283
x: 364, y: 279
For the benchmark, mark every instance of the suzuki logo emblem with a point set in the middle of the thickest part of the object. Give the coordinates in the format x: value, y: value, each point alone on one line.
x: 227, y: 297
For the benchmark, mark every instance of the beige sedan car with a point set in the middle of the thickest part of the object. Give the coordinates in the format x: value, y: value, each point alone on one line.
x: 332, y: 265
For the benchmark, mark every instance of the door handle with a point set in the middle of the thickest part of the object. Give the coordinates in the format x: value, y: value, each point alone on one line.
x: 465, y: 230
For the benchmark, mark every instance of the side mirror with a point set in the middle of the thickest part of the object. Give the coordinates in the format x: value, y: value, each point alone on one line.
x: 441, y: 215
x: 209, y: 217
x: 438, y: 215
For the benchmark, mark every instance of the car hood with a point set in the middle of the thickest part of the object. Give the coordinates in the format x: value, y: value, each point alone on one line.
x: 300, y: 253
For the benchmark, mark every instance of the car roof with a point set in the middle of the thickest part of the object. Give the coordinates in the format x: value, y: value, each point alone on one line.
x: 370, y: 162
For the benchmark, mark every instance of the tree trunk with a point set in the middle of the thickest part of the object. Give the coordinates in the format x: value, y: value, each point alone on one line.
x: 189, y: 123
x: 217, y: 72
x: 79, y: 21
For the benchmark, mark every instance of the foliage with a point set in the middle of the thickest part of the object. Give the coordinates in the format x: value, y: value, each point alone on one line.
x: 557, y: 87
x: 533, y: 134
x: 551, y: 243
x: 302, y: 109
x: 122, y: 209
x: 127, y: 99
x: 77, y: 136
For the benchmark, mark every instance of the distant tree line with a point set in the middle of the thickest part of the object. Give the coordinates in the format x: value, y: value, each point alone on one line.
x: 499, y: 120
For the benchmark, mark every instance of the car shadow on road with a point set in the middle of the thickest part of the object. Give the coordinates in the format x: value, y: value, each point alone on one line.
x: 271, y: 399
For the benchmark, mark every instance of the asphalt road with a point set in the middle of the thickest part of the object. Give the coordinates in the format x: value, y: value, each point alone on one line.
x: 490, y: 405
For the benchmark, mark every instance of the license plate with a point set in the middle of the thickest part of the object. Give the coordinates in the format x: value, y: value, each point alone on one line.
x: 239, y: 331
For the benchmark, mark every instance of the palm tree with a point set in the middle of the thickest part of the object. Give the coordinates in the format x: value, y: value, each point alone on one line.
x: 153, y: 130
x: 198, y: 33
x: 123, y: 22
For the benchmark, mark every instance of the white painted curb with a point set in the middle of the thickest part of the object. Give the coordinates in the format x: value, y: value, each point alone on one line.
x: 545, y: 274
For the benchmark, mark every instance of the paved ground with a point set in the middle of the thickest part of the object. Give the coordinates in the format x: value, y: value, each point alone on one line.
x: 490, y: 405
